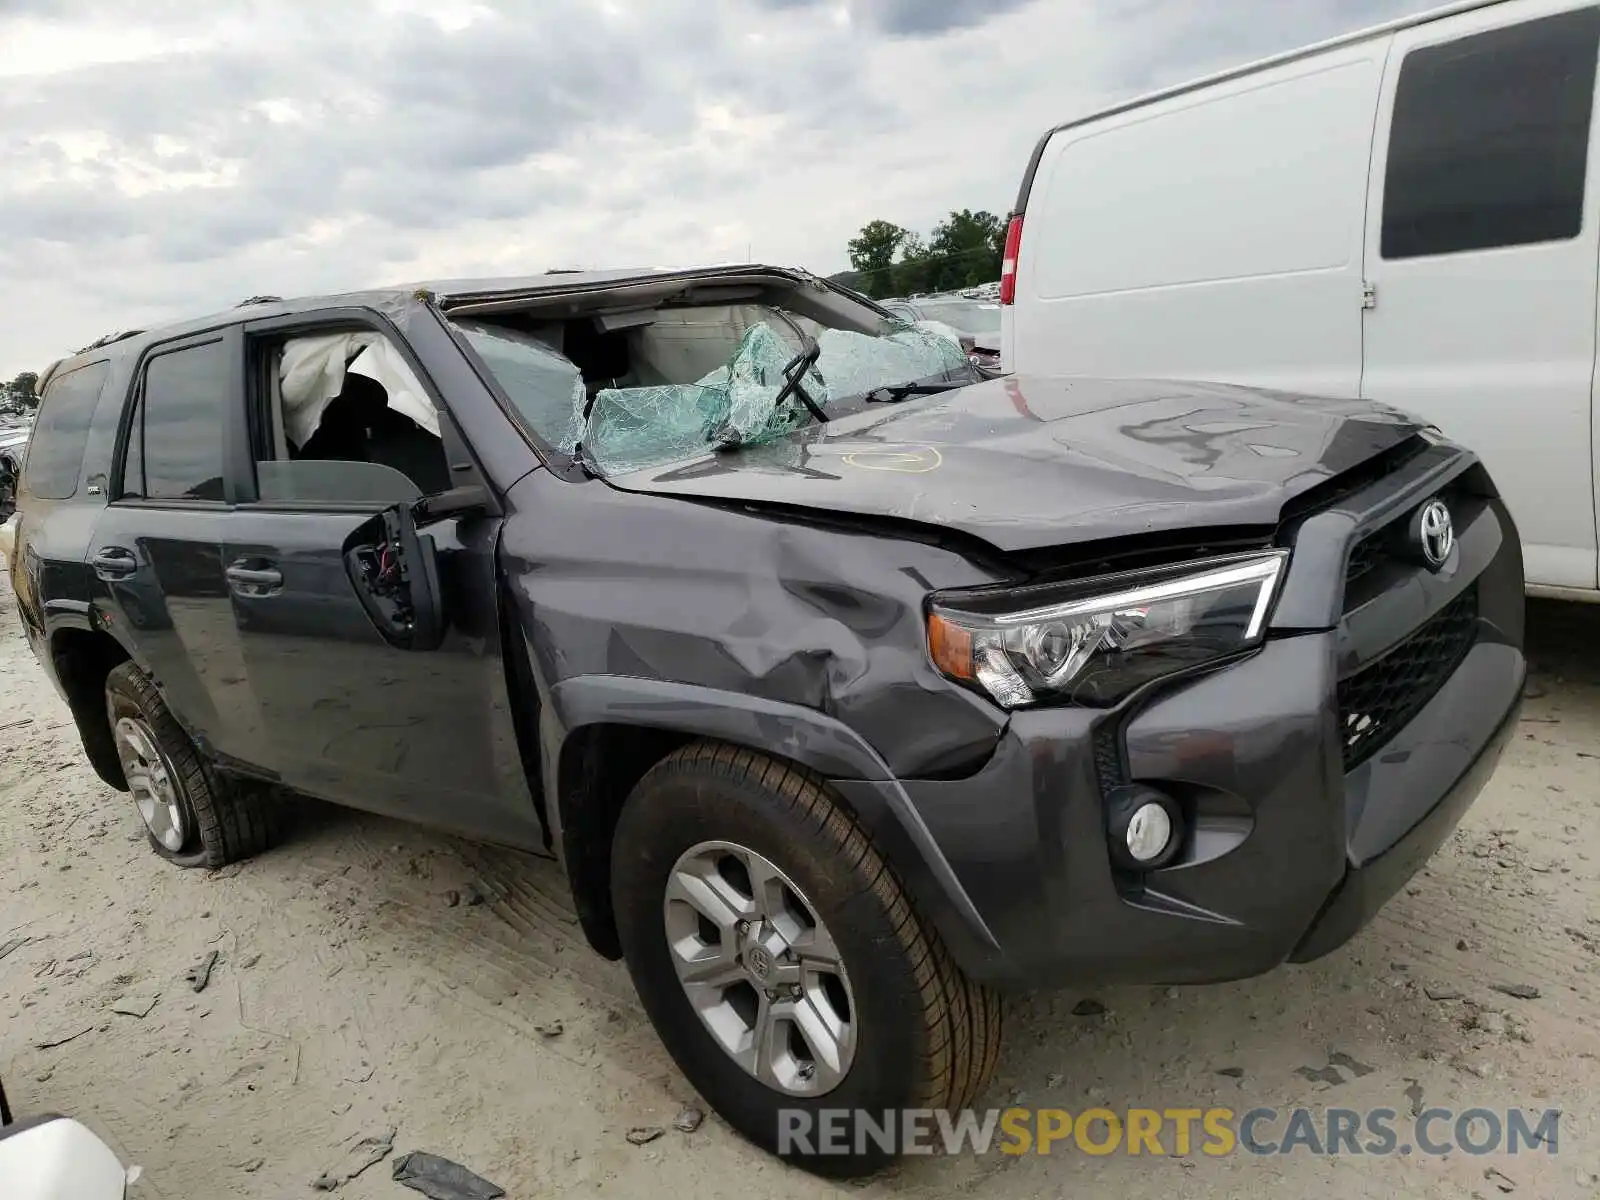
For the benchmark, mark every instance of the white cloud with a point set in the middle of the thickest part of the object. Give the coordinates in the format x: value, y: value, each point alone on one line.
x: 31, y: 47
x: 166, y: 164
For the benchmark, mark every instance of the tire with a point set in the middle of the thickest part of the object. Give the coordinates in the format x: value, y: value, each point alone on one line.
x: 922, y: 1035
x: 211, y: 821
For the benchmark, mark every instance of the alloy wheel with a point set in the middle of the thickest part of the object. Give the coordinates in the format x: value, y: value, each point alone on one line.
x: 760, y: 969
x: 150, y: 783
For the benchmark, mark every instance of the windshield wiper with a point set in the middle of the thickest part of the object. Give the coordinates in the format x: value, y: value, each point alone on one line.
x: 725, y: 437
x: 903, y: 391
x: 794, y: 371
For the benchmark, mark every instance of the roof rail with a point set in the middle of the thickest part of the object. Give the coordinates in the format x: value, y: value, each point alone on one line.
x: 249, y: 300
x: 109, y: 338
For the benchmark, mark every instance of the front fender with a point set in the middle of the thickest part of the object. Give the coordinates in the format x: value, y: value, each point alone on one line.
x: 797, y: 734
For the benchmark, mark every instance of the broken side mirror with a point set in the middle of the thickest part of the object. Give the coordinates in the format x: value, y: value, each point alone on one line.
x: 469, y: 500
x: 395, y: 571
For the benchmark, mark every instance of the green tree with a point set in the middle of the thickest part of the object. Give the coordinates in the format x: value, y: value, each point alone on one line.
x: 19, y: 395
x: 915, y: 271
x: 872, y: 254
x: 965, y: 250
x: 890, y: 260
x: 25, y: 385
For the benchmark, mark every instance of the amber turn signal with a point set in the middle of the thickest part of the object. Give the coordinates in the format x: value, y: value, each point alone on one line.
x: 950, y: 646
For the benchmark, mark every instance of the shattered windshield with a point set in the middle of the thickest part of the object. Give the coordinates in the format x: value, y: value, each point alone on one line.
x: 625, y: 418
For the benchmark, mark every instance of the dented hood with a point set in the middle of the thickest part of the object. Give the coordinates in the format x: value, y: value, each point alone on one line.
x: 1028, y: 462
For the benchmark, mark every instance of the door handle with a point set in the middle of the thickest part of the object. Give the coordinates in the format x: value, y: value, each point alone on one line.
x: 114, y: 562
x: 254, y: 580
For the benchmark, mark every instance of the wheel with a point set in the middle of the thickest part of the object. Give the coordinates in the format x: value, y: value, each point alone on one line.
x: 782, y: 963
x: 193, y: 817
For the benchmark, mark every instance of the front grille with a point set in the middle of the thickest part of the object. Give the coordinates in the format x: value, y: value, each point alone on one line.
x: 1365, y: 556
x: 1376, y: 702
x: 1389, y: 545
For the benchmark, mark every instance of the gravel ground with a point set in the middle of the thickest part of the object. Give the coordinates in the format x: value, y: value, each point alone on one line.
x: 372, y: 977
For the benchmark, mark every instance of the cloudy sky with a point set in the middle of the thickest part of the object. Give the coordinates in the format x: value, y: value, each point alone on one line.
x: 165, y: 158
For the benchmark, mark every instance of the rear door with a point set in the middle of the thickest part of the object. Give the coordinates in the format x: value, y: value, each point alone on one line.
x: 1482, y: 246
x: 156, y: 551
x: 423, y: 735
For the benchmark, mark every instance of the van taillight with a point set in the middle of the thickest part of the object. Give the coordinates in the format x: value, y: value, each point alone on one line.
x: 1008, y: 261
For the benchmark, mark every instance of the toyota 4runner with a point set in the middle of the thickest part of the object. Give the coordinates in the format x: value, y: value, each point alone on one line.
x: 847, y: 684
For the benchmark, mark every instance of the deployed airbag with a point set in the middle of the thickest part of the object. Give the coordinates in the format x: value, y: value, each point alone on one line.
x: 311, y: 373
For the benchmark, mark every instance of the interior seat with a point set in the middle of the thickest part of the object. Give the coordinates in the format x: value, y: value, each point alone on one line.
x: 359, y: 426
x: 341, y: 433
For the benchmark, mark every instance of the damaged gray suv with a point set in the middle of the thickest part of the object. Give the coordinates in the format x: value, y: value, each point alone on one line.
x: 848, y: 687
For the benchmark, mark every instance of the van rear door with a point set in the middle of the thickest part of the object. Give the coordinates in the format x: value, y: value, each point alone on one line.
x: 1481, y: 246
x: 1213, y: 234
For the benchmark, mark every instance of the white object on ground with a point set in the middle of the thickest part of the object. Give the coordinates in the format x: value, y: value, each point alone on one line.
x: 60, y: 1159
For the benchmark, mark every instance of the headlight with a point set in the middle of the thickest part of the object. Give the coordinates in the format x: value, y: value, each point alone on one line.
x: 1095, y: 642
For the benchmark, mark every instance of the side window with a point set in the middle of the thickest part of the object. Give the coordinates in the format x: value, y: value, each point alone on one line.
x: 175, y: 444
x: 1489, y: 143
x: 55, y: 452
x: 341, y: 418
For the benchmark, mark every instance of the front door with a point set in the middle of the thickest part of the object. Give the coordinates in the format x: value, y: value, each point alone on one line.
x: 1481, y: 249
x: 423, y: 735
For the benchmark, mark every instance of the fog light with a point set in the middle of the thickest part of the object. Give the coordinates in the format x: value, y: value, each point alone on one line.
x: 1149, y: 832
x: 1144, y: 826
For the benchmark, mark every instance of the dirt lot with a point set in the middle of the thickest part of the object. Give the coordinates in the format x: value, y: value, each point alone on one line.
x: 360, y: 989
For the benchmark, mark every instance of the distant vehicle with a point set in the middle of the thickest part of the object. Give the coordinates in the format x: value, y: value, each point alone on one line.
x: 845, y: 683
x: 976, y: 319
x: 14, y: 437
x: 1401, y: 214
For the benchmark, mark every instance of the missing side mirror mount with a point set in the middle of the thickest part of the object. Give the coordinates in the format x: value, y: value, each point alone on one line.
x: 395, y: 573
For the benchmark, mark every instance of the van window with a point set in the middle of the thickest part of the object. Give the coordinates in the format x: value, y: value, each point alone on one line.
x: 55, y: 451
x: 175, y: 446
x: 1490, y: 139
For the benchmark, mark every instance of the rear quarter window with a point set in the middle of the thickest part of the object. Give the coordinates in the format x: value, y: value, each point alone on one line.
x: 61, y: 431
x: 175, y: 442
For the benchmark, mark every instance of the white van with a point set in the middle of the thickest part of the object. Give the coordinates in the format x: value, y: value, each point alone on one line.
x: 1400, y: 214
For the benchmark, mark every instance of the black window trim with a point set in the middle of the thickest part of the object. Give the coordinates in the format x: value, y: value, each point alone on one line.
x: 56, y: 375
x: 229, y: 335
x: 1448, y: 39
x: 463, y: 463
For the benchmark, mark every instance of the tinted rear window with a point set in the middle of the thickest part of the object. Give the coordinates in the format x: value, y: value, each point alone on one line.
x: 175, y: 445
x: 1490, y: 139
x: 55, y: 450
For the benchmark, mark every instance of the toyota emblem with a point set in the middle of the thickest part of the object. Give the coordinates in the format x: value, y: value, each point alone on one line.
x: 1435, y: 533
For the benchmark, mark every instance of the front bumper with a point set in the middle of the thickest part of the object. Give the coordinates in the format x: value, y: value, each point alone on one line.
x: 1293, y: 843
